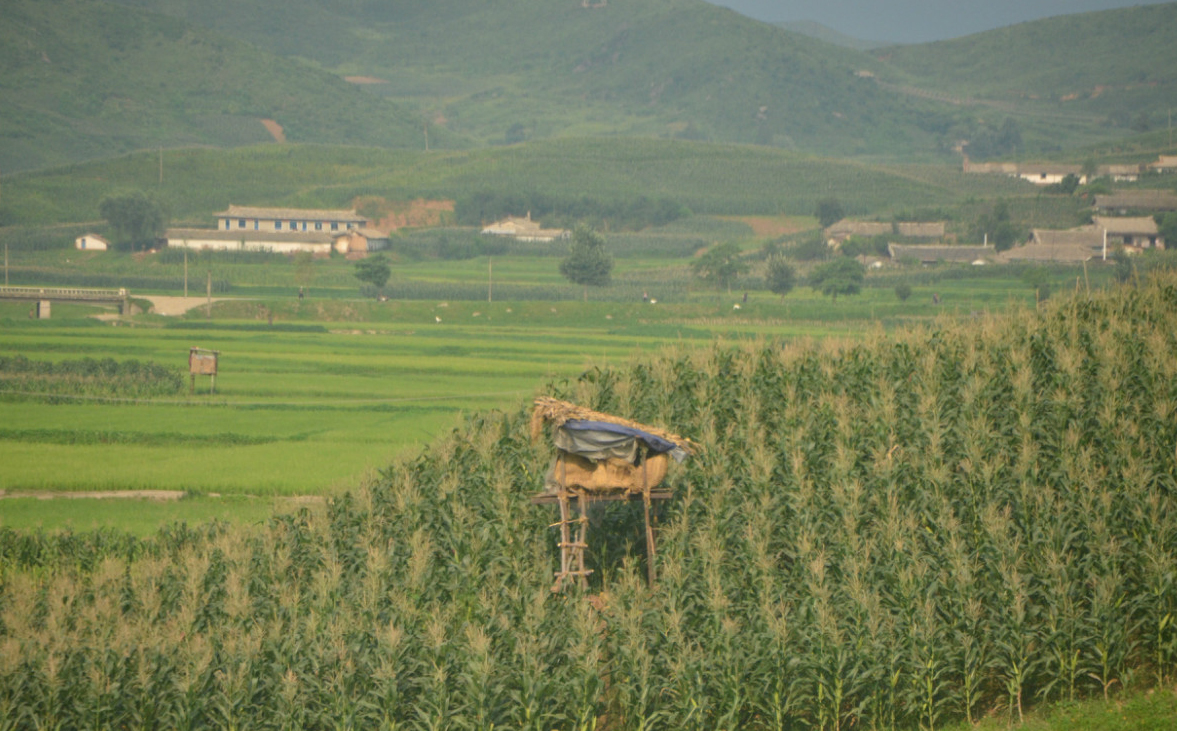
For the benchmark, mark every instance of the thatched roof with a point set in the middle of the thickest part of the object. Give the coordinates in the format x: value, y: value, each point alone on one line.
x: 557, y: 412
x: 939, y: 252
x: 1142, y: 200
x: 1130, y: 225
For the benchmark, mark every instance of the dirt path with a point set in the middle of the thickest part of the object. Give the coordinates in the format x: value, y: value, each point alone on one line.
x: 98, y: 494
x: 172, y: 306
x: 157, y: 495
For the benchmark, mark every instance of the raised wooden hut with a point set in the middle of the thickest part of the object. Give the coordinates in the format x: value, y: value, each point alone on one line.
x: 600, y: 457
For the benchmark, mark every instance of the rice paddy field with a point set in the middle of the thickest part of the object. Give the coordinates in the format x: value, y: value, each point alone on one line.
x: 316, y: 395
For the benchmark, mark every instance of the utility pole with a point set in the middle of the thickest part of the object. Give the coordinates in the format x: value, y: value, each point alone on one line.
x: 185, y: 272
x: 208, y: 308
x: 427, y: 135
x: 161, y: 166
x: 489, y: 276
x: 5, y: 263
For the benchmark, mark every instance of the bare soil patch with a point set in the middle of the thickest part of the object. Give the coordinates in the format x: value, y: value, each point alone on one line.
x: 173, y: 306
x: 275, y: 130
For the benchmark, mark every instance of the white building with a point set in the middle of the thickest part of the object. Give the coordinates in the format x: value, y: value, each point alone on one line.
x: 283, y: 231
x: 91, y: 242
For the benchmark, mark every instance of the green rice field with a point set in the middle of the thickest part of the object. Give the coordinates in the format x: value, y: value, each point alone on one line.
x: 313, y: 398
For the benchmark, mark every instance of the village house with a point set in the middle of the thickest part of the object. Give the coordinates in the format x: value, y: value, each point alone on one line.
x: 1164, y: 164
x: 283, y: 231
x: 1065, y: 247
x: 1134, y: 234
x: 91, y: 242
x: 1052, y: 173
x: 524, y: 229
x: 1145, y: 201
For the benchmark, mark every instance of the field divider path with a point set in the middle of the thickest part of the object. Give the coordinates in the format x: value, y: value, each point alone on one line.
x: 262, y: 404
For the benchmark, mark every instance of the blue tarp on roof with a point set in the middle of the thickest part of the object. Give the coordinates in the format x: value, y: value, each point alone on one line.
x: 655, y: 443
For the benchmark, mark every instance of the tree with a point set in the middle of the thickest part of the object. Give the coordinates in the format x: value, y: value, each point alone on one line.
x: 781, y: 277
x: 840, y: 276
x: 1089, y: 170
x: 374, y: 270
x: 997, y: 227
x: 137, y: 219
x: 1167, y: 229
x: 903, y: 291
x: 720, y: 266
x: 828, y: 212
x: 588, y: 263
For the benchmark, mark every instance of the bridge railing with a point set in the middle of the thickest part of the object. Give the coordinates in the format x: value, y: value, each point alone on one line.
x: 64, y: 293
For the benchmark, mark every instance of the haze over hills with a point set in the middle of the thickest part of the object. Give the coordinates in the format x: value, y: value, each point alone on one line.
x: 916, y: 21
x: 1118, y: 64
x: 87, y: 79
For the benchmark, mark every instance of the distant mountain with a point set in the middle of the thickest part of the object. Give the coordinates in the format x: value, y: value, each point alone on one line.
x: 81, y: 80
x: 813, y: 29
x: 529, y: 69
x: 1109, y: 72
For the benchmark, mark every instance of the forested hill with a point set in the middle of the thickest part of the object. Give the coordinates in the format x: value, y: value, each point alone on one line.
x: 526, y: 69
x: 81, y: 80
x: 89, y: 79
x: 1117, y: 65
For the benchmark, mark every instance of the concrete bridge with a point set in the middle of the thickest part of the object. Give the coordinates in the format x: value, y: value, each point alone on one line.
x: 44, y: 295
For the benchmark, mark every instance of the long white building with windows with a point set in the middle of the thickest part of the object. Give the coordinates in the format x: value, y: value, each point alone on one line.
x: 284, y: 231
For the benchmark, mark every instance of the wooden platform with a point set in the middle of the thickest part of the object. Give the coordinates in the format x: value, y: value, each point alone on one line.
x: 551, y: 498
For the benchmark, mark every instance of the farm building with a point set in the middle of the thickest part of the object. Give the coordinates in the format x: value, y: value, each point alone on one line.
x: 283, y: 231
x: 524, y: 229
x: 91, y: 242
x: 244, y: 218
x: 361, y: 241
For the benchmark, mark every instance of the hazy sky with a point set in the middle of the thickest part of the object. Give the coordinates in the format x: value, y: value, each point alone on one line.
x: 917, y: 21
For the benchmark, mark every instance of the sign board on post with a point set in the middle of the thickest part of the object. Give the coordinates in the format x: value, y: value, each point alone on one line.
x: 202, y: 362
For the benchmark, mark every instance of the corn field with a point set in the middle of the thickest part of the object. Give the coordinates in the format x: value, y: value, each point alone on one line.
x: 934, y: 526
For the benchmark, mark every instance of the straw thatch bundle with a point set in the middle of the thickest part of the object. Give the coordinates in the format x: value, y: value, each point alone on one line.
x: 573, y: 471
x: 555, y: 411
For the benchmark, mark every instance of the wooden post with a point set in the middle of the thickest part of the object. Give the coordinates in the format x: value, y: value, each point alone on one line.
x: 650, y: 572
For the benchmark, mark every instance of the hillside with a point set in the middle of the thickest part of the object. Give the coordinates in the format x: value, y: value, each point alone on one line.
x: 906, y: 532
x: 81, y: 80
x: 92, y: 79
x: 529, y: 69
x: 1115, y: 70
x: 707, y: 178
